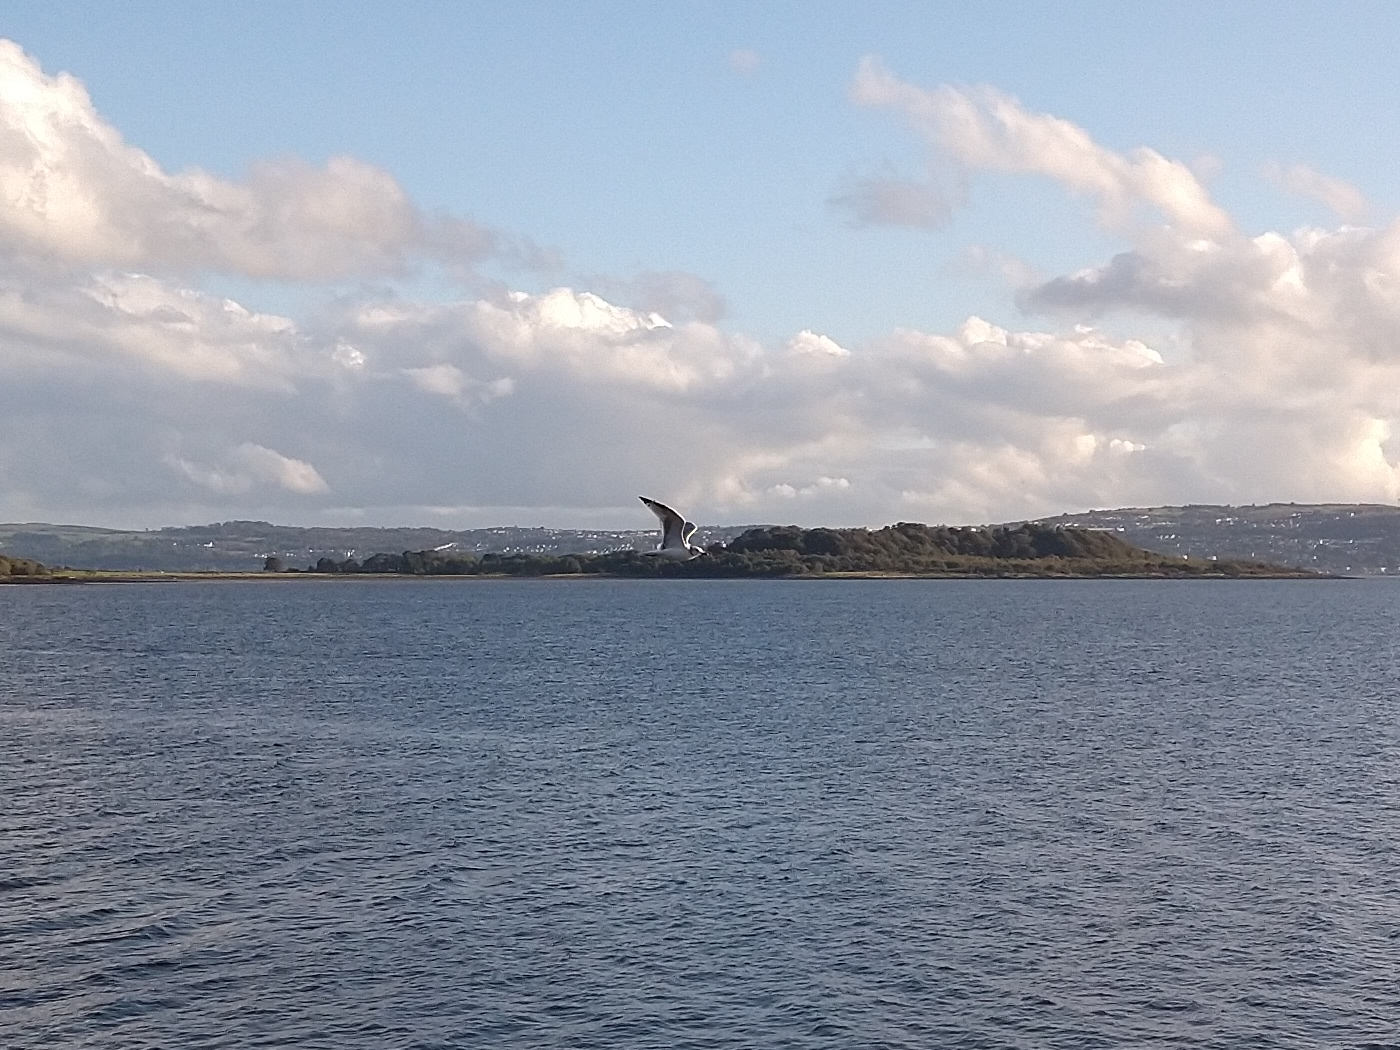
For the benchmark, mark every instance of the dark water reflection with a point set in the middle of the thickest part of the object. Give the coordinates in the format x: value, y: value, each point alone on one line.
x: 700, y: 815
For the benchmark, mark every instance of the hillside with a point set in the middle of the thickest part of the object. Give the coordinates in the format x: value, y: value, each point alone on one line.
x: 242, y: 546
x: 906, y: 549
x: 1357, y: 539
x: 1340, y: 538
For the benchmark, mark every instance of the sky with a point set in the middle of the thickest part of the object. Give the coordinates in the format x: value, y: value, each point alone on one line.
x: 463, y: 265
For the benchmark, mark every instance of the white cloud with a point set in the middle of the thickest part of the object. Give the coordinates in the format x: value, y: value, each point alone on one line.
x: 785, y: 490
x: 672, y: 294
x: 77, y: 195
x: 445, y: 380
x: 985, y: 129
x: 85, y: 323
x: 1345, y: 201
x: 129, y: 396
x: 248, y: 466
x: 576, y: 402
x: 451, y: 382
x: 809, y: 342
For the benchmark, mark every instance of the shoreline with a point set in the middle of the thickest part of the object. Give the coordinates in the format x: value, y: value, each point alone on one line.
x: 101, y: 576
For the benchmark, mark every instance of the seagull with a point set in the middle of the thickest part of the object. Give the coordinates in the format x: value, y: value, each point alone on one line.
x: 675, y: 534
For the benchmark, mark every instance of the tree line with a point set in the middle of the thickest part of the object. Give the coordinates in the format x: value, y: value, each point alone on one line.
x: 791, y: 551
x: 12, y: 566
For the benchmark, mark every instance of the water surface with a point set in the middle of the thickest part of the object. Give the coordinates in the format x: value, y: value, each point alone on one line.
x: 700, y: 814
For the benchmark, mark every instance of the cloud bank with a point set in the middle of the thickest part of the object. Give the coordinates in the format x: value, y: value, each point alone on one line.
x: 130, y: 396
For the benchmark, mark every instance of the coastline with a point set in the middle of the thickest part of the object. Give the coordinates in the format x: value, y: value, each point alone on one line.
x: 72, y: 577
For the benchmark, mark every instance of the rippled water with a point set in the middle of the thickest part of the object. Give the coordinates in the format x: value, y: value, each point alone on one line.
x: 693, y: 814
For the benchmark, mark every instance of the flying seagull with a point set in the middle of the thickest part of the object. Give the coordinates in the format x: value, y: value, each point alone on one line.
x: 675, y: 534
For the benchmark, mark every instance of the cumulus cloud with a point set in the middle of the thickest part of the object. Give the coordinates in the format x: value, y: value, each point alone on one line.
x: 77, y: 194
x: 572, y: 402
x: 167, y: 403
x: 130, y: 396
x: 88, y: 323
x: 452, y: 383
x: 809, y: 342
x: 1289, y: 338
x: 673, y: 294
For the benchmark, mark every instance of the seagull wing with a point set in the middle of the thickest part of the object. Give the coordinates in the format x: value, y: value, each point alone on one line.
x: 687, y: 531
x: 672, y: 524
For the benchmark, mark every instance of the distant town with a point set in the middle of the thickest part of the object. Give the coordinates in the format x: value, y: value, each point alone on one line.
x: 239, y: 546
x: 1353, y: 539
x: 1349, y: 539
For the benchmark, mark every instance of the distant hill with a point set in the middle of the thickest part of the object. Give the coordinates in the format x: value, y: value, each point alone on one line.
x: 1344, y: 538
x: 246, y: 545
x: 1359, y: 539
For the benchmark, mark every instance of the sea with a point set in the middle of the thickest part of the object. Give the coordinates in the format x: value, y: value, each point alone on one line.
x: 700, y: 815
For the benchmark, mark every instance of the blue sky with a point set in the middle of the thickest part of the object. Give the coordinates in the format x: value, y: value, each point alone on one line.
x: 711, y: 161
x: 620, y: 134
